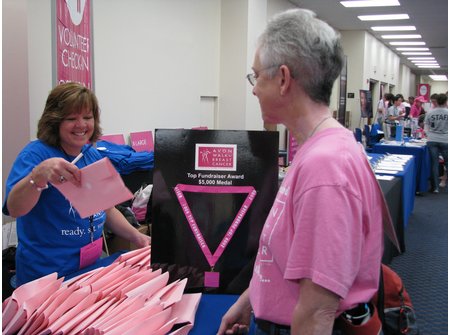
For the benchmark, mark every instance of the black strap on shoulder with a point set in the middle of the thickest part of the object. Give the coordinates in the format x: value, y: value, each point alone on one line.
x: 380, y: 301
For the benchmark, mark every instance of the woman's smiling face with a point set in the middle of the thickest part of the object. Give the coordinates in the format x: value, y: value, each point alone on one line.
x: 75, y: 131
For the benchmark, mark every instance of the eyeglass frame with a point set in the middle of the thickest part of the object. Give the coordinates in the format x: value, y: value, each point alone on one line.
x: 251, y: 77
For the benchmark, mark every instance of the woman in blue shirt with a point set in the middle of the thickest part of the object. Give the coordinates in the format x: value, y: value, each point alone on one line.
x: 52, y: 237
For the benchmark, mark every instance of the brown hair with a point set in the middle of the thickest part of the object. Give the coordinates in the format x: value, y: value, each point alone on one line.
x: 62, y: 101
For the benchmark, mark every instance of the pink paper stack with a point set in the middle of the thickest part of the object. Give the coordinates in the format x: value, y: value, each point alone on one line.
x: 124, y: 298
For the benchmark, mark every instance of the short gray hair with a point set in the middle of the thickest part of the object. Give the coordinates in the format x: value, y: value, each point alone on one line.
x: 309, y: 47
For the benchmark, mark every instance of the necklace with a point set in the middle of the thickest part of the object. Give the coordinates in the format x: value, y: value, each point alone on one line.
x: 317, y: 126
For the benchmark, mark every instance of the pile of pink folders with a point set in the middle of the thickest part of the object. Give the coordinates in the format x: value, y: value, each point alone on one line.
x: 124, y: 298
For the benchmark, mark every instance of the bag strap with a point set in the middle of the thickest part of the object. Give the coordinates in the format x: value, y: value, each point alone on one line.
x: 380, y: 298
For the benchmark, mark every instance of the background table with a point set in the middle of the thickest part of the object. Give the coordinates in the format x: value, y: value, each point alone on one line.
x: 422, y: 160
x: 392, y: 190
x: 408, y: 178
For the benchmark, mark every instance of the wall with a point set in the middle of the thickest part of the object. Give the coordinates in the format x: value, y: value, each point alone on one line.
x: 15, y: 103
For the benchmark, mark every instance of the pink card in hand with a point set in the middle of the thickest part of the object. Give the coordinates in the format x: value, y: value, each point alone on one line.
x: 101, y: 188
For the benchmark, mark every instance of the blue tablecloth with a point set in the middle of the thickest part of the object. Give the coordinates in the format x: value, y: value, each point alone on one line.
x: 408, y: 176
x: 422, y: 160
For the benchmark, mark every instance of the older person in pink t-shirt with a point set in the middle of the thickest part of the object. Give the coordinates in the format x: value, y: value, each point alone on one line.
x: 321, y: 246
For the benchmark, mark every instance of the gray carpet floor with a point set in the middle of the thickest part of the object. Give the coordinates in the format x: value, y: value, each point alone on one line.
x: 424, y: 265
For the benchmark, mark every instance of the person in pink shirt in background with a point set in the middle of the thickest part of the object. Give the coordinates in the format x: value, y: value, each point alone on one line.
x: 416, y: 108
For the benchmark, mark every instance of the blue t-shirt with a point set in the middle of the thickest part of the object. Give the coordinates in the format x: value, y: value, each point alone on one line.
x: 51, y: 234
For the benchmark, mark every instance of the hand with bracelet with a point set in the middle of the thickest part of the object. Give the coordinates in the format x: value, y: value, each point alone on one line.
x: 54, y: 171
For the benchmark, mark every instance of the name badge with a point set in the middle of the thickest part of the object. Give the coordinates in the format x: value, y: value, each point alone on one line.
x: 91, y: 252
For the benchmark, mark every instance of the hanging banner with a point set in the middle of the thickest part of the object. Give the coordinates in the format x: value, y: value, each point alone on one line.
x: 365, y: 99
x: 342, y: 93
x: 73, y: 42
x: 212, y: 191
x: 424, y: 90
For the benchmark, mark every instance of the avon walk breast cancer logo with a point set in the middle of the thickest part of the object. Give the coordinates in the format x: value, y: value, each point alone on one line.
x: 76, y: 10
x: 218, y: 157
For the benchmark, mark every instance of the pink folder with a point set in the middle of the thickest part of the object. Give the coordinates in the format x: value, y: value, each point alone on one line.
x: 186, y: 308
x: 148, y: 289
x: 31, y: 304
x: 101, y: 188
x: 142, y: 141
x: 116, y: 138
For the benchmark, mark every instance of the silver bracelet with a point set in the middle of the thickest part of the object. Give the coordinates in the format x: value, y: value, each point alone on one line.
x: 39, y: 189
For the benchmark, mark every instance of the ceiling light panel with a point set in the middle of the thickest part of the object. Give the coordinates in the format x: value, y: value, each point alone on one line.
x: 393, y: 28
x: 412, y: 49
x: 400, y: 37
x: 383, y: 17
x: 406, y: 43
x: 421, y: 58
x: 438, y: 77
x: 413, y: 53
x: 370, y: 3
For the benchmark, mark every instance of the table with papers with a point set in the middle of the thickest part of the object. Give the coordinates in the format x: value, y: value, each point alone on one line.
x: 421, y: 155
x: 403, y: 166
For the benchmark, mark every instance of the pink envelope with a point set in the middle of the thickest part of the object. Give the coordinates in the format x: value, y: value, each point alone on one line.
x: 183, y: 330
x: 186, y: 308
x: 140, y: 280
x: 170, y: 294
x: 123, y: 307
x: 148, y: 289
x: 139, y: 260
x: 103, y: 271
x: 142, y: 140
x: 23, y: 293
x: 40, y: 319
x: 161, y: 331
x: 150, y: 322
x: 31, y: 304
x: 101, y: 188
x: 93, y: 314
x: 113, y: 278
x: 134, y: 281
x: 71, y: 315
x: 128, y: 321
x: 130, y: 254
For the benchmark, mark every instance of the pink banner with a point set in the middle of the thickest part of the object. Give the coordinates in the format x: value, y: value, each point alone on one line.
x: 73, y: 42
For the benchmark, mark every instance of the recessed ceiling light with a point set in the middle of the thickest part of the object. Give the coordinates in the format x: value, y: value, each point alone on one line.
x: 428, y: 66
x: 420, y: 58
x: 383, y: 17
x: 438, y: 77
x: 393, y: 28
x: 370, y: 3
x: 417, y: 53
x: 412, y: 49
x: 392, y: 37
x: 407, y: 43
x: 424, y: 61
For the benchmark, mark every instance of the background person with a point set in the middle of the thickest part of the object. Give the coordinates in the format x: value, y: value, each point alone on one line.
x: 50, y: 231
x: 395, y: 114
x: 321, y: 246
x: 436, y: 128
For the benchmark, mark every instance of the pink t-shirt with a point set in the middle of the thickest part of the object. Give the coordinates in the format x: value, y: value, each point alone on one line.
x: 325, y: 224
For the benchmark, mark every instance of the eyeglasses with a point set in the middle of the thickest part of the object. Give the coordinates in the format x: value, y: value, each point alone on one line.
x: 251, y: 77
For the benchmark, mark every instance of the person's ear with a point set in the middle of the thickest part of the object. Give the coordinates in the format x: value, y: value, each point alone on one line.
x: 285, y: 79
